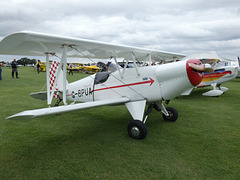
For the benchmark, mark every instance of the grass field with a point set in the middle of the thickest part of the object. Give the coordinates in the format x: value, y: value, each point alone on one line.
x: 204, y: 143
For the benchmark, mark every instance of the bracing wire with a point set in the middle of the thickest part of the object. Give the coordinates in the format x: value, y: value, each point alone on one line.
x: 111, y: 75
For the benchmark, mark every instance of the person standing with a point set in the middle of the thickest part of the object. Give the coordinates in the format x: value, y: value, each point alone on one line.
x: 0, y: 71
x: 14, y: 68
x: 38, y: 66
x: 70, y: 68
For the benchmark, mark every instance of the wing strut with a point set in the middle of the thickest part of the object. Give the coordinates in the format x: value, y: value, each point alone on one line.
x: 115, y: 59
x: 149, y: 57
x: 64, y: 61
x: 125, y: 66
x: 47, y: 75
x: 135, y: 64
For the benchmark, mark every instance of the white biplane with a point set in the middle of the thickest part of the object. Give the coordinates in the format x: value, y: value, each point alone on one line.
x: 135, y: 87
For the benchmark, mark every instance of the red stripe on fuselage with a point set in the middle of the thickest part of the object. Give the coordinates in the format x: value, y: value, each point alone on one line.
x: 125, y: 85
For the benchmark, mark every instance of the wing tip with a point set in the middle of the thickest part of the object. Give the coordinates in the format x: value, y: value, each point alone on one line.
x: 20, y: 116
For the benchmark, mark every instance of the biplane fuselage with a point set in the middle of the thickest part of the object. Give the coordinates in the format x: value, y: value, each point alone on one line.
x: 151, y: 83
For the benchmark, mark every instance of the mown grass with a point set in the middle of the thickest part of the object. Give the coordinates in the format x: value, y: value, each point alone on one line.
x: 93, y: 144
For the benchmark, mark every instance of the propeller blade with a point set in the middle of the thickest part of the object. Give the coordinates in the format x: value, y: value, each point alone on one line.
x: 202, y: 67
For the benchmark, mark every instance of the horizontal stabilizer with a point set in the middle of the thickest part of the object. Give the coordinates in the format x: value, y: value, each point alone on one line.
x: 39, y: 95
x: 61, y: 109
x: 213, y: 93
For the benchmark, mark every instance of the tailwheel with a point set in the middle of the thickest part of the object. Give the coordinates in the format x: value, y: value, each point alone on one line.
x: 58, y: 102
x: 173, y: 114
x: 137, y: 129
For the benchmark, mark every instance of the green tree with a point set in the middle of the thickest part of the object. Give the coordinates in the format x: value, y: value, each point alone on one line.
x: 24, y: 61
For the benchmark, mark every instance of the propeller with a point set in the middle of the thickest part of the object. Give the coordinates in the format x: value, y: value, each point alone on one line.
x: 195, y: 70
x: 201, y: 67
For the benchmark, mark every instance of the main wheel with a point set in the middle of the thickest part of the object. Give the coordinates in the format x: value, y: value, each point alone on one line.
x: 173, y: 114
x: 137, y: 129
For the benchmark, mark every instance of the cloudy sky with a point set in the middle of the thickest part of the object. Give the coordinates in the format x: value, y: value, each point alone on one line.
x: 182, y: 26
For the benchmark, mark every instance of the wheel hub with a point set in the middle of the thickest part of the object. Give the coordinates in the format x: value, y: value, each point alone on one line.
x: 135, y: 131
x: 170, y: 114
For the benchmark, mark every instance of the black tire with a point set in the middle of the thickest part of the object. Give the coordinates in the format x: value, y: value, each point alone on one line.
x: 173, y: 114
x: 137, y: 129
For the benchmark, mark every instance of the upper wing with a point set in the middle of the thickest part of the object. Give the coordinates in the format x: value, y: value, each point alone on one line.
x: 61, y: 109
x: 37, y: 44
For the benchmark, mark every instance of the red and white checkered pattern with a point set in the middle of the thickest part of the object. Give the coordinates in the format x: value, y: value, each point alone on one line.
x: 52, y: 77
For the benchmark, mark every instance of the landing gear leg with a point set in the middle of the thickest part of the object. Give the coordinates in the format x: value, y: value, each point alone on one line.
x: 136, y: 128
x: 169, y: 113
x: 149, y: 110
x: 173, y: 114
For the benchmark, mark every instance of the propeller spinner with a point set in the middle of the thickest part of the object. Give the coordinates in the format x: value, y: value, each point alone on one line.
x: 195, y: 70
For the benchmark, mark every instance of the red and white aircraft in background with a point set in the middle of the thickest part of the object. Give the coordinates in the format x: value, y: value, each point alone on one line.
x: 135, y: 87
x: 222, y: 71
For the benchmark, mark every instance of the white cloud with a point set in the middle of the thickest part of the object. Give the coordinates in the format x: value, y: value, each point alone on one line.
x: 180, y: 26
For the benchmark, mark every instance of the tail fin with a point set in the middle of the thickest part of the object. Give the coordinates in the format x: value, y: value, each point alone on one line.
x: 53, y: 77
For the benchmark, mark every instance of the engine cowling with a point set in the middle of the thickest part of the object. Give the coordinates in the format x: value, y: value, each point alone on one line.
x: 195, y: 76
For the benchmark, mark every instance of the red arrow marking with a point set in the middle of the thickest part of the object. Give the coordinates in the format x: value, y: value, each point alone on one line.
x: 151, y: 81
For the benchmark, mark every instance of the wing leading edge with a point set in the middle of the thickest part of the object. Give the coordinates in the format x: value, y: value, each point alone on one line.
x: 37, y: 44
x: 62, y: 109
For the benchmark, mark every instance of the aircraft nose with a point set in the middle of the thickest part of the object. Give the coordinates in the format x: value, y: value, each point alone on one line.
x: 195, y: 70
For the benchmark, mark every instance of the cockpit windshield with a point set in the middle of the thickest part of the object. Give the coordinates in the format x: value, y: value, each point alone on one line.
x: 220, y: 64
x: 111, y: 67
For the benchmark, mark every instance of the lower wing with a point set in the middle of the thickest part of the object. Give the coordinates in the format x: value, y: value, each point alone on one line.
x: 61, y: 109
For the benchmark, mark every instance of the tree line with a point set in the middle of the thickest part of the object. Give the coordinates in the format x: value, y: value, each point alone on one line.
x: 24, y: 61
